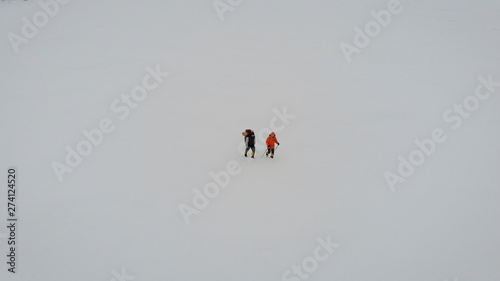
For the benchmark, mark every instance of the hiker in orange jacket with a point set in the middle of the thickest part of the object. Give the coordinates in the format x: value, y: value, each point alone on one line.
x: 271, y: 140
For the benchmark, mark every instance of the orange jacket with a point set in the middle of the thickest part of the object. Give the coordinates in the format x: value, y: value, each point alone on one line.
x: 271, y: 140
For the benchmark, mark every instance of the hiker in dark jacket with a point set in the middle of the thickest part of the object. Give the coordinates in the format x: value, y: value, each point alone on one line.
x: 249, y: 141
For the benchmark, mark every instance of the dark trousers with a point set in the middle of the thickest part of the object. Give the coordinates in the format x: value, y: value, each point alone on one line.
x: 250, y: 147
x: 270, y: 150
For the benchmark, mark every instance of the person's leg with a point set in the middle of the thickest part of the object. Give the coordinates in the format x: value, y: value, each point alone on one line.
x: 272, y: 152
x: 253, y: 151
x: 268, y: 151
x: 246, y: 150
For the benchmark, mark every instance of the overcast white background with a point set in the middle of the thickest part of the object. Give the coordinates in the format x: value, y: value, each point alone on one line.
x: 120, y: 207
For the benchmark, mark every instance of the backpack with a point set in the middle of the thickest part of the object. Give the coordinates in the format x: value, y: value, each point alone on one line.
x: 251, y: 137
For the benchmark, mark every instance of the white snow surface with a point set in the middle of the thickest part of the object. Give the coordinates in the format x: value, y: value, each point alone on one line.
x: 119, y: 209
